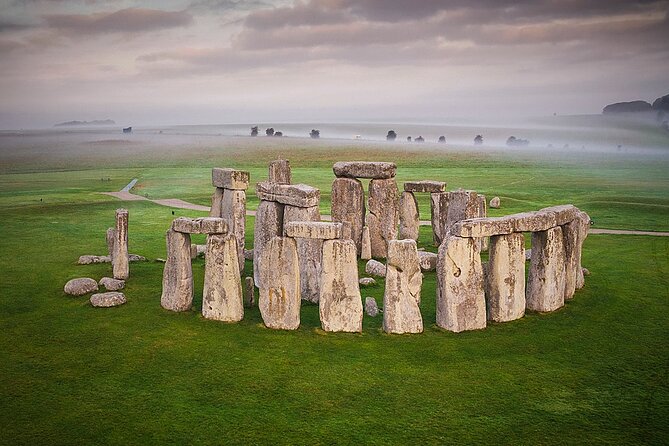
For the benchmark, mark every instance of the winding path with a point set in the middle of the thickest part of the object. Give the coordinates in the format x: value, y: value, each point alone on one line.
x: 125, y: 195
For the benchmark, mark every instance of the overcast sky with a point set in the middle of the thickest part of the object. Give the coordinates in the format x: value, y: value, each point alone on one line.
x: 230, y: 61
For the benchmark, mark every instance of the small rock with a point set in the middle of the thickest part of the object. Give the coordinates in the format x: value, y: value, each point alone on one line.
x: 494, y: 203
x: 88, y: 259
x: 528, y: 254
x: 428, y: 260
x: 111, y: 284
x: 109, y: 299
x: 248, y: 254
x: 370, y: 307
x: 367, y: 281
x: 375, y: 268
x: 159, y: 260
x: 81, y: 286
x: 586, y: 271
x: 136, y: 258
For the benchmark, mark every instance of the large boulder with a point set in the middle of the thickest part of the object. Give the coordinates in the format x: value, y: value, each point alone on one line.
x: 80, y: 286
x: 111, y: 284
x: 371, y: 308
x: 109, y: 299
x: 375, y: 268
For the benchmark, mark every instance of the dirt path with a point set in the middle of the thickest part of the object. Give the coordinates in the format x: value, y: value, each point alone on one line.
x: 125, y: 195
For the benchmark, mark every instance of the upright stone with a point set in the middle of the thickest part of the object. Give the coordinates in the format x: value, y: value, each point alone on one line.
x: 574, y: 233
x: 120, y: 260
x: 366, y: 244
x: 483, y: 212
x: 279, y: 172
x: 383, y: 214
x: 340, y: 303
x: 217, y: 202
x: 583, y: 227
x: 111, y: 239
x: 546, y: 281
x: 348, y: 206
x: 234, y: 212
x: 309, y: 252
x: 222, y: 292
x: 401, y: 299
x: 460, y: 295
x: 409, y: 217
x: 439, y: 211
x: 178, y: 273
x: 249, y: 292
x: 279, y: 300
x: 462, y: 205
x: 268, y: 224
x: 505, y: 278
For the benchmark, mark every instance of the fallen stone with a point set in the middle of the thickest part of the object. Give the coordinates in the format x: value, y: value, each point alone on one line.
x: 248, y: 254
x: 309, y: 251
x: 546, y: 280
x: 233, y: 211
x: 160, y: 260
x: 371, y: 308
x: 340, y: 305
x: 279, y: 300
x: 217, y: 202
x: 348, y: 206
x: 136, y: 258
x: 367, y: 281
x: 109, y: 299
x: 313, y: 229
x: 528, y: 255
x: 401, y: 298
x: 268, y: 224
x: 585, y: 271
x: 364, y: 169
x: 383, y: 218
x: 460, y: 296
x: 89, y: 259
x: 230, y: 179
x: 279, y: 172
x: 177, y: 292
x: 80, y: 286
x: 375, y: 268
x: 427, y: 260
x: 249, y: 292
x: 111, y: 284
x: 120, y: 262
x: 222, y: 292
x: 494, y: 203
x: 299, y: 195
x: 366, y: 244
x: 202, y: 225
x: 505, y: 278
x: 424, y: 186
x: 409, y: 217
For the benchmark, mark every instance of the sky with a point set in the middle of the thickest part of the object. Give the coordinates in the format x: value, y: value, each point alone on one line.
x: 235, y: 61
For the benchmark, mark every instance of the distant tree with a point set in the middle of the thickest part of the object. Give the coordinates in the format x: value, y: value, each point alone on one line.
x: 442, y: 138
x: 391, y: 136
x: 420, y: 139
x: 409, y: 138
x: 315, y: 134
x: 269, y: 131
x: 254, y: 131
x: 516, y: 142
x: 278, y: 134
x: 478, y: 140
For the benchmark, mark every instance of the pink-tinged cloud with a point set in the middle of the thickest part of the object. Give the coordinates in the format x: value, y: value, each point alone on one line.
x: 130, y: 20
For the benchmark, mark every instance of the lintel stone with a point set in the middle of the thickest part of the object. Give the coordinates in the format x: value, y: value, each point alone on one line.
x: 203, y: 225
x: 299, y: 195
x: 313, y: 229
x: 230, y: 178
x: 365, y: 169
x: 424, y: 186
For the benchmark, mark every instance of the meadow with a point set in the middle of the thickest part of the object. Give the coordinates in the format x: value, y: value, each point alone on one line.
x: 594, y: 372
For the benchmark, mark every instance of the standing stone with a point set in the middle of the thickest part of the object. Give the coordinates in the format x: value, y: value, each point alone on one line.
x: 483, y: 212
x: 439, y: 211
x: 268, y: 224
x: 279, y: 300
x: 309, y: 252
x: 371, y: 308
x: 574, y: 233
x: 409, y: 217
x: 120, y: 260
x: 348, y: 206
x: 222, y: 292
x: 546, y: 281
x: 460, y: 295
x: 234, y: 212
x: 505, y: 278
x: 178, y: 273
x: 462, y: 205
x: 583, y: 227
x: 111, y: 239
x: 340, y: 304
x: 279, y: 172
x: 401, y: 299
x: 383, y: 214
x: 249, y: 292
x: 217, y: 202
x: 366, y: 244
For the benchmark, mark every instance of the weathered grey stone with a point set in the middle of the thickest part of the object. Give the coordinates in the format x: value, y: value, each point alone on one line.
x: 409, y: 218
x: 88, y: 259
x: 340, y: 304
x: 248, y: 254
x: 202, y: 225
x: 364, y: 169
x: 313, y: 229
x: 483, y: 206
x: 108, y: 299
x: 425, y: 186
x: 483, y: 227
x: 375, y: 268
x: 268, y: 224
x: 367, y: 281
x: 585, y: 271
x: 495, y: 203
x: 505, y: 278
x: 217, y: 202
x: 178, y: 273
x: 279, y: 300
x: 366, y: 244
x: 309, y: 251
x: 193, y: 251
x: 299, y: 195
x: 230, y: 179
x: 136, y: 258
x: 428, y: 260
x: 583, y: 228
x: 279, y: 172
x: 401, y: 299
x: 80, y: 286
x: 439, y: 212
x: 574, y: 234
x: 111, y: 284
x: 249, y: 292
x: 234, y: 213
x: 462, y: 204
x: 528, y: 255
x: 222, y: 293
x: 383, y: 203
x: 348, y: 206
x: 546, y: 281
x: 460, y: 295
x: 111, y: 239
x: 371, y: 308
x: 120, y: 262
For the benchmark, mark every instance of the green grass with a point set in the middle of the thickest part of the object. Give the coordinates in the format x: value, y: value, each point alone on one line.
x: 593, y: 372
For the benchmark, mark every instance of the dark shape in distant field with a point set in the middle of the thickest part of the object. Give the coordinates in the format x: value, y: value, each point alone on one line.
x: 516, y: 142
x: 661, y: 104
x: 627, y: 107
x: 278, y: 134
x: 391, y: 136
x: 254, y: 131
x: 409, y: 138
x: 95, y: 122
x: 315, y: 134
x: 478, y: 140
x: 420, y: 139
x: 127, y: 130
x: 269, y: 131
x: 442, y: 139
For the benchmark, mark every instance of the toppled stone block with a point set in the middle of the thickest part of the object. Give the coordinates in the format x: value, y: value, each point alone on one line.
x: 495, y: 202
x: 299, y: 195
x: 111, y: 284
x: 80, y: 286
x: 203, y: 225
x: 364, y: 169
x: 230, y: 178
x: 248, y: 254
x: 313, y: 229
x: 401, y: 298
x: 340, y: 305
x: 279, y: 172
x: 109, y: 299
x: 425, y: 186
x: 428, y: 260
x: 367, y: 281
x: 371, y: 308
x: 89, y: 259
x: 375, y: 268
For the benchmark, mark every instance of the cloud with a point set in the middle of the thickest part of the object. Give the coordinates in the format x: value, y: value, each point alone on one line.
x: 130, y: 20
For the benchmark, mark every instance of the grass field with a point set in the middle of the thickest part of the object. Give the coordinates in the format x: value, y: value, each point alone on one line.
x: 595, y: 372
